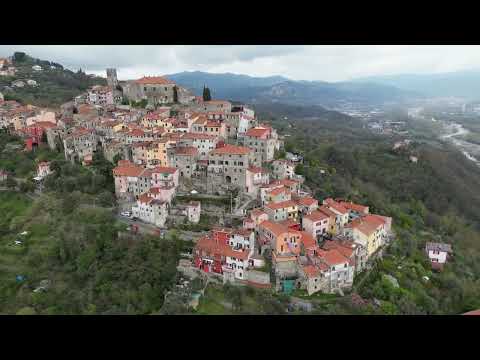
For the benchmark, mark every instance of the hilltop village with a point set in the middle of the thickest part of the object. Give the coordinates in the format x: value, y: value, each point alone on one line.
x: 167, y: 143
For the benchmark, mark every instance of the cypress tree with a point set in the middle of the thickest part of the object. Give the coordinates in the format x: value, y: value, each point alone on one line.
x: 206, y: 94
x: 175, y: 94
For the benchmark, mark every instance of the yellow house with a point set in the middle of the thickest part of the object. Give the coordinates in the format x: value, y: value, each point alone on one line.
x: 368, y: 231
x: 118, y: 127
x: 157, y: 153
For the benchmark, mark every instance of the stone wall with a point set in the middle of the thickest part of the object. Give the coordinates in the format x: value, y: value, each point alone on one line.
x: 258, y: 277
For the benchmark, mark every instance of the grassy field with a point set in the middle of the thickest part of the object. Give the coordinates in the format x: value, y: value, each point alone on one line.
x: 211, y: 302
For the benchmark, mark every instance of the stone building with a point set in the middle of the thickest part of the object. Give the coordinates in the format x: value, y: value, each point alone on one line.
x: 183, y: 158
x: 155, y: 89
x: 263, y: 141
x: 229, y: 164
x: 283, y: 169
x: 151, y: 210
x: 79, y: 144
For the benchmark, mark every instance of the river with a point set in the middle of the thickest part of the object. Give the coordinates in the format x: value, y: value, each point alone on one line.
x: 470, y: 150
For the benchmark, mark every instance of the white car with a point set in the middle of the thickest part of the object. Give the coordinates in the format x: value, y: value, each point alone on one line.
x: 126, y: 214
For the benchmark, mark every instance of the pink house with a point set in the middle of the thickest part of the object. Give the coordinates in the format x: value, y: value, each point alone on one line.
x: 163, y: 193
x: 165, y: 176
x: 315, y: 224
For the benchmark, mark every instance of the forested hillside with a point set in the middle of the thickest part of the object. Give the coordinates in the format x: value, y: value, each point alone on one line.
x: 73, y: 241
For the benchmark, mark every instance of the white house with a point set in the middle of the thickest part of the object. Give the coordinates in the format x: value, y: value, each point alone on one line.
x: 438, y: 253
x: 150, y: 210
x: 43, y: 169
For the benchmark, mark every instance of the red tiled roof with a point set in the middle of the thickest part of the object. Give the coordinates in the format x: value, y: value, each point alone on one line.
x: 335, y: 205
x: 287, y: 182
x: 288, y: 222
x: 332, y: 257
x: 157, y: 80
x: 367, y: 224
x: 136, y: 132
x: 281, y: 204
x: 256, y: 169
x: 354, y: 207
x: 213, y: 123
x: 80, y: 132
x: 326, y: 211
x: 125, y: 163
x: 275, y: 228
x: 145, y: 199
x: 307, y: 201
x: 278, y: 191
x: 308, y: 240
x: 311, y: 271
x: 343, y: 249
x: 186, y: 150
x: 164, y: 170
x: 216, y: 248
x: 231, y: 149
x: 200, y: 136
x: 128, y: 170
x: 316, y: 216
x: 45, y: 124
x: 243, y: 232
x: 257, y: 132
x: 257, y: 212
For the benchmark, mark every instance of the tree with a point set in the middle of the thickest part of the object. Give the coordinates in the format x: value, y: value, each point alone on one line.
x: 27, y: 186
x: 27, y: 311
x: 19, y: 56
x: 11, y: 182
x: 299, y: 169
x: 116, y: 158
x: 206, y: 94
x: 106, y: 198
x: 175, y: 94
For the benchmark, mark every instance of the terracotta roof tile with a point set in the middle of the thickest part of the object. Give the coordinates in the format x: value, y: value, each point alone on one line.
x: 186, y: 150
x: 257, y: 132
x: 316, y: 216
x: 231, y: 149
x: 307, y: 201
x: 154, y: 80
x: 281, y: 204
x: 275, y: 228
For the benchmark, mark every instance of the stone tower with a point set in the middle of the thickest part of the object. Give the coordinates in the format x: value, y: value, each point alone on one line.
x: 112, y: 80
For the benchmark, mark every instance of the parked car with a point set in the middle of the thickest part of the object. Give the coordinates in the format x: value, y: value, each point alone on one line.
x: 126, y: 214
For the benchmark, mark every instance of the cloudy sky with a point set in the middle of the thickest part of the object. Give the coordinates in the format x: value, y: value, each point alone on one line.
x: 322, y: 62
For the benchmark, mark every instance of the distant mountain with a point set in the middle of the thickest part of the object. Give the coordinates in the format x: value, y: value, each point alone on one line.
x: 278, y: 89
x: 222, y: 83
x: 459, y: 84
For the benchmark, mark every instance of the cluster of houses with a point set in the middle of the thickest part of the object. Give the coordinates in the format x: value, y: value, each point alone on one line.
x: 6, y: 67
x: 216, y: 146
x: 311, y: 245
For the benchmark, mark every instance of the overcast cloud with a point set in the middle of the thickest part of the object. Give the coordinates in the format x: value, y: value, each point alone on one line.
x: 325, y: 62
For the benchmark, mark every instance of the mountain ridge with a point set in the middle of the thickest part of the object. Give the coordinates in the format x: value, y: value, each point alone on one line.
x: 283, y: 90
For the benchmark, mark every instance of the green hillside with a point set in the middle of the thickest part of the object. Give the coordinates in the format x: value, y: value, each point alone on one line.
x: 56, y: 85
